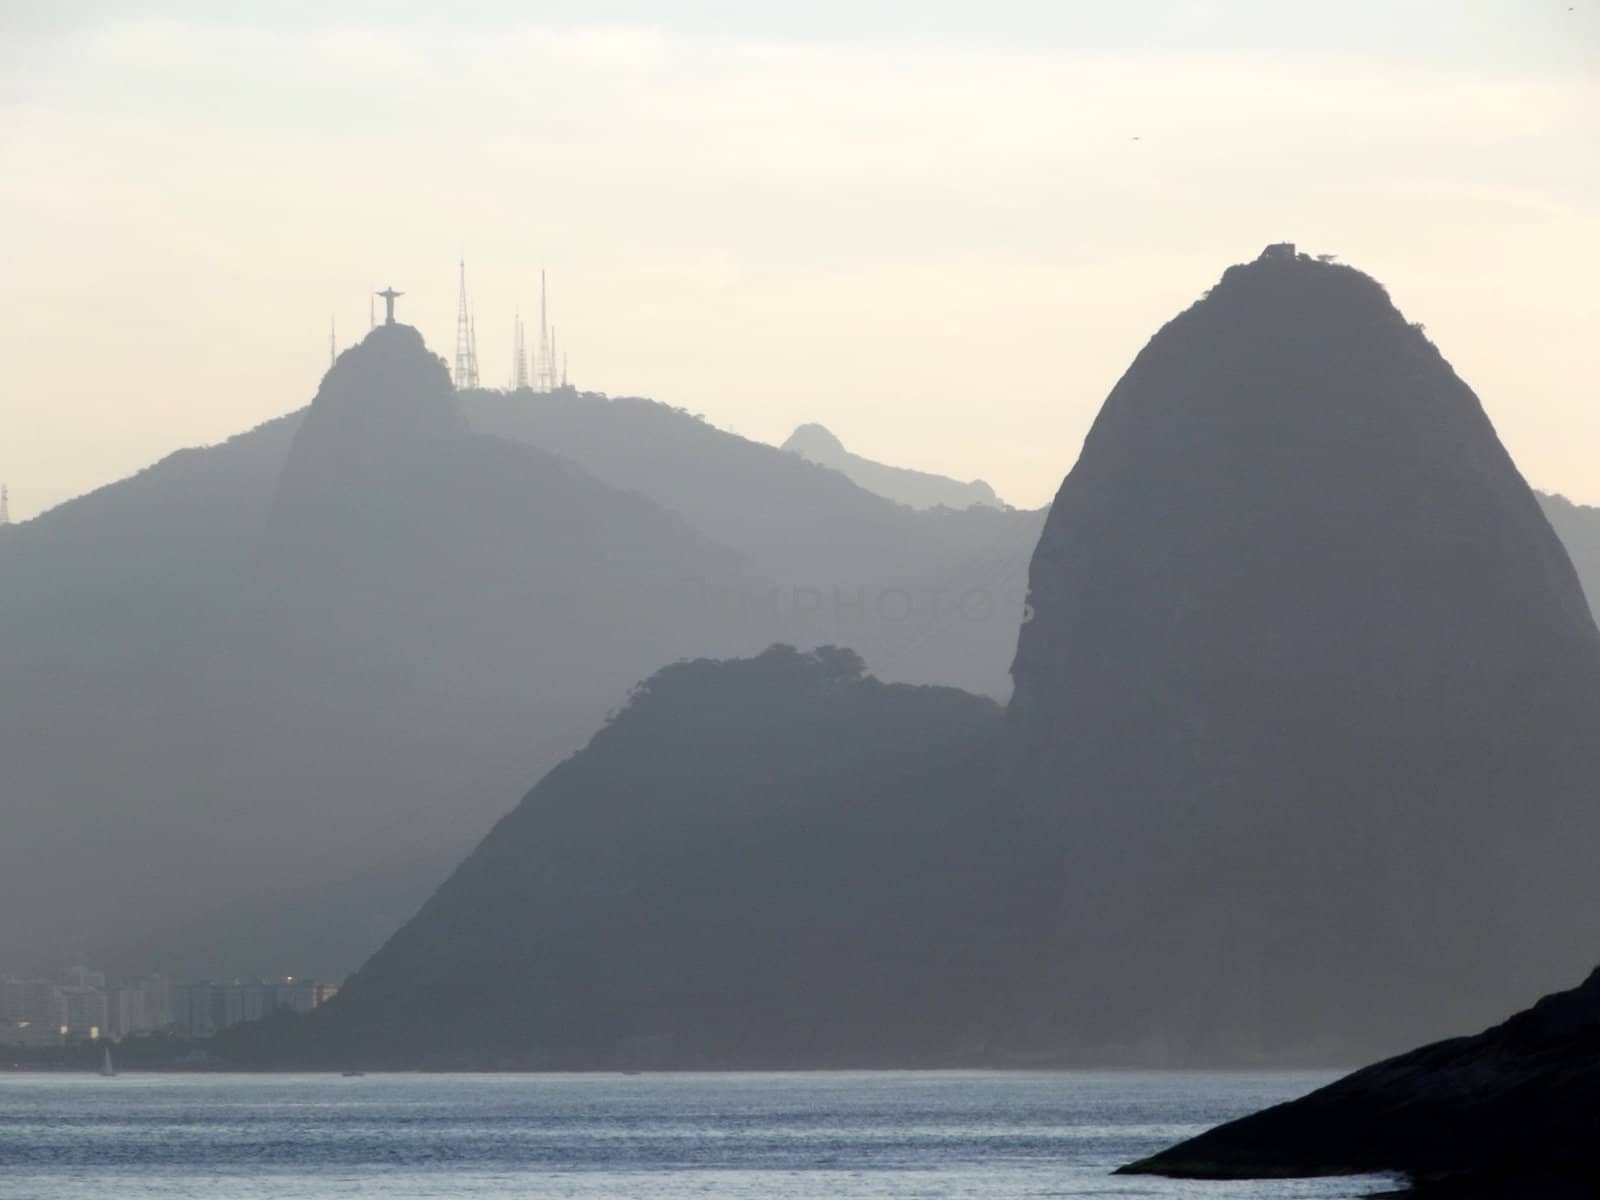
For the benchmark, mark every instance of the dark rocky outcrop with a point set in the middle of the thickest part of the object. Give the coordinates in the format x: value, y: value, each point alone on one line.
x: 776, y: 861
x: 917, y: 489
x: 1512, y: 1112
x: 1310, y: 694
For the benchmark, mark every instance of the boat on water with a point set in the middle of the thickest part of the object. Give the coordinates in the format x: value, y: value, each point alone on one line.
x: 106, y: 1068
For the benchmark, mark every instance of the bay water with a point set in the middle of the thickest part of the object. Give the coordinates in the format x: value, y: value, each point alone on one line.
x: 781, y: 1136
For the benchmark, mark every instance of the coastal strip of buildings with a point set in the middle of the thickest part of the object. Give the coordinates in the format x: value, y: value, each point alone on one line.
x: 80, y: 1005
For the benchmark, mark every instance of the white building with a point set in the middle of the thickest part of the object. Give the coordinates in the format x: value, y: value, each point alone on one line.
x: 83, y: 1011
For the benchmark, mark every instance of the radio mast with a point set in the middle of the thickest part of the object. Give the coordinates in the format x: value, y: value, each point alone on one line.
x: 466, y: 372
x: 519, y: 360
x: 544, y: 368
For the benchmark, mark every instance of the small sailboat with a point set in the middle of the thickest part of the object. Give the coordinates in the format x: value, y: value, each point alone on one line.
x: 106, y: 1068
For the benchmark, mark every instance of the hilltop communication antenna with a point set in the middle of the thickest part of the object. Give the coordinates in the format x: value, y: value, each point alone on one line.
x: 5, y: 505
x: 472, y: 341
x: 466, y: 358
x: 543, y: 367
x: 519, y: 360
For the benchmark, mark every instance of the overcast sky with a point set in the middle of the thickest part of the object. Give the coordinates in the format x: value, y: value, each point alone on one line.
x: 942, y: 229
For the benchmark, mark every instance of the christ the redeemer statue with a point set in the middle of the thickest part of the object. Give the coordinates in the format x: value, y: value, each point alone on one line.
x: 389, y: 295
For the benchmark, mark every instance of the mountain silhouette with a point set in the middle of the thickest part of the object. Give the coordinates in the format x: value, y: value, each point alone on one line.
x: 1309, y: 696
x: 344, y: 673
x: 760, y: 861
x: 1302, y: 731
x: 917, y: 489
x: 1299, y: 762
x: 376, y: 620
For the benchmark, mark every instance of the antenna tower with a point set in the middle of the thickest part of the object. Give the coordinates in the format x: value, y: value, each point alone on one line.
x: 519, y: 361
x: 5, y: 505
x: 543, y: 368
x: 466, y: 372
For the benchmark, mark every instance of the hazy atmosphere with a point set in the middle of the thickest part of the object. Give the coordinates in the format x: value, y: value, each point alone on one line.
x: 939, y: 229
x: 754, y: 602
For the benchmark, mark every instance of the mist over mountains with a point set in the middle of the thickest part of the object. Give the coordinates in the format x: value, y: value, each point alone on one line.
x: 263, y: 695
x: 1299, y: 765
x: 349, y: 682
x: 931, y: 596
x: 770, y: 861
x: 1302, y: 729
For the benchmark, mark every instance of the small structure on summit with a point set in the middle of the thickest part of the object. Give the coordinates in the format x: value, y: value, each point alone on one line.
x: 1279, y: 252
x: 389, y: 296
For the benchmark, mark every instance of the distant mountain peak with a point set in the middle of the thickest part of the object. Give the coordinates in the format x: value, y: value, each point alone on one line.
x: 385, y: 404
x: 389, y: 376
x: 812, y: 440
x: 904, y: 485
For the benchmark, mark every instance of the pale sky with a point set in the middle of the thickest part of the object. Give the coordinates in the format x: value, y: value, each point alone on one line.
x: 942, y: 229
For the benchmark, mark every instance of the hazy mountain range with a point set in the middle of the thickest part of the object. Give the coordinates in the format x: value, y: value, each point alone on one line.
x: 1295, y: 615
x: 1299, y: 764
x: 263, y: 695
x: 929, y: 596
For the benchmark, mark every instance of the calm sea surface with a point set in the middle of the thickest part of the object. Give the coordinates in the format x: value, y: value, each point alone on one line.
x: 765, y: 1137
